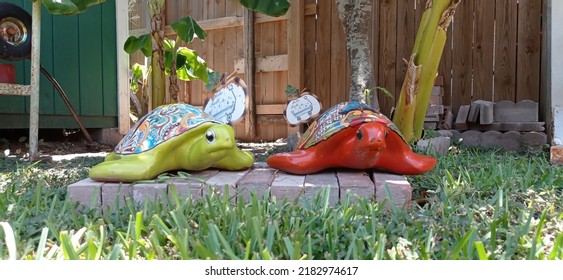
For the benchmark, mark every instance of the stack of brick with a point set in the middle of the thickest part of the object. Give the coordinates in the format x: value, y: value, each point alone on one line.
x: 504, y: 124
x: 438, y: 116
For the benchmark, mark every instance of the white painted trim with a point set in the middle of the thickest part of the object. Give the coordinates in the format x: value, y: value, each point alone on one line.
x: 122, y: 32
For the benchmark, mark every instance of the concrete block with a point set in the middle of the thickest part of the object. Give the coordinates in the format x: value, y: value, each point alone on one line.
x: 461, y: 120
x: 510, y: 126
x: 191, y: 186
x: 258, y: 180
x: 393, y: 190
x: 445, y: 133
x: 87, y: 192
x: 468, y: 138
x: 534, y: 140
x: 436, y: 100
x: 473, y: 115
x: 436, y: 145
x: 287, y: 186
x: 433, y: 110
x: 523, y: 111
x: 153, y: 192
x: 224, y: 181
x: 430, y: 125
x: 448, y: 122
x: 116, y: 193
x: 355, y: 184
x: 486, y: 111
x: 316, y: 183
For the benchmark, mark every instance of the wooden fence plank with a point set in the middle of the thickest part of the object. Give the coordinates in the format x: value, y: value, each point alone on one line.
x: 281, y: 42
x: 505, y: 52
x: 338, y: 61
x: 310, y: 60
x: 322, y: 63
x: 374, y: 45
x: 267, y: 88
x: 462, y: 59
x: 406, y: 34
x: 483, y: 51
x: 388, y: 51
x: 529, y: 50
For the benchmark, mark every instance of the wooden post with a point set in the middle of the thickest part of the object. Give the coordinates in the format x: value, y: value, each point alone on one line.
x: 296, y: 49
x: 35, y: 64
x: 554, y: 78
x: 250, y: 72
x: 122, y: 30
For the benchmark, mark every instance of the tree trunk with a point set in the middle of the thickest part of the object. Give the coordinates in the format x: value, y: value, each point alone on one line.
x: 157, y: 63
x: 422, y: 68
x: 355, y: 16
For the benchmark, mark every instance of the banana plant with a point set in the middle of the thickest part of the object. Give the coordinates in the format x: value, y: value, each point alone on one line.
x: 168, y: 58
x: 422, y: 67
x: 69, y: 7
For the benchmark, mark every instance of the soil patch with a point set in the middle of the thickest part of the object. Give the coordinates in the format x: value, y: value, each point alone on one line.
x: 55, y: 142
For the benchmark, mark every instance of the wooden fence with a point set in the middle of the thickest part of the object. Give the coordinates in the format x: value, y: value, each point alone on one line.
x: 493, y: 52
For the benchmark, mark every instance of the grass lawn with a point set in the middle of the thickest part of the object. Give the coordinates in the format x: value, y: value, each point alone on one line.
x: 481, y: 205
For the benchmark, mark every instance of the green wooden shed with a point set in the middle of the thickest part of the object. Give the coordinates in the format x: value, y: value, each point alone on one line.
x: 81, y: 53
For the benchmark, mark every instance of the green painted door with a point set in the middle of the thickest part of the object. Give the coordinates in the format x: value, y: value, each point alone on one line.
x: 79, y: 51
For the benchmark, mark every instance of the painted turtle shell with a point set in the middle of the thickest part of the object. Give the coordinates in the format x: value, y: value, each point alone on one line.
x: 161, y: 125
x: 339, y: 117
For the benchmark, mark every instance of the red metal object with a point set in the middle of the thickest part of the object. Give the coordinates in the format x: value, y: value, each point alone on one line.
x: 7, y: 73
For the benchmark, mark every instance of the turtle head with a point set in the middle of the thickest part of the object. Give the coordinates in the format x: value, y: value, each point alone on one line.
x: 219, y: 138
x: 370, y: 137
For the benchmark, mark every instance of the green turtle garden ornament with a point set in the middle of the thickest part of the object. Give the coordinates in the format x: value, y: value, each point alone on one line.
x: 172, y: 137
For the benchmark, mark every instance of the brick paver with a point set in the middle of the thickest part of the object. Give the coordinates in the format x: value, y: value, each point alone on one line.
x: 260, y: 179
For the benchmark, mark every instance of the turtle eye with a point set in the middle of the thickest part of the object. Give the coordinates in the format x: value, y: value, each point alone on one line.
x: 210, y: 136
x: 359, y: 134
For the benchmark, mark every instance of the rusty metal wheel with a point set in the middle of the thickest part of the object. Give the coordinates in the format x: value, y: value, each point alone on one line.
x: 15, y: 32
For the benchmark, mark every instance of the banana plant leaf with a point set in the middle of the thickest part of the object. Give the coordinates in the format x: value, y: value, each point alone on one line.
x: 274, y: 8
x: 187, y: 28
x: 142, y: 43
x: 69, y: 7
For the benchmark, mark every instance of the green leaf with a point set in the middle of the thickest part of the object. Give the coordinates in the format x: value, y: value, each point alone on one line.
x: 142, y: 43
x: 187, y: 28
x: 138, y: 76
x: 386, y: 91
x: 481, y: 250
x: 193, y: 67
x: 291, y: 91
x: 10, y: 240
x: 213, y: 80
x: 66, y: 244
x: 274, y: 8
x: 69, y: 7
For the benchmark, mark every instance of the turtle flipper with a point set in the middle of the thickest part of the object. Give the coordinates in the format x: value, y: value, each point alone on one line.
x: 297, y: 162
x: 125, y: 169
x: 112, y: 156
x: 399, y: 158
x: 235, y: 160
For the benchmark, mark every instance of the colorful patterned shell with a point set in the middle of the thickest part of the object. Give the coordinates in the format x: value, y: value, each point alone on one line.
x: 160, y: 125
x: 337, y: 118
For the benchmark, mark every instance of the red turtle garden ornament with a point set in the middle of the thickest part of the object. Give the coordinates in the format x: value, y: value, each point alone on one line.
x: 352, y: 135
